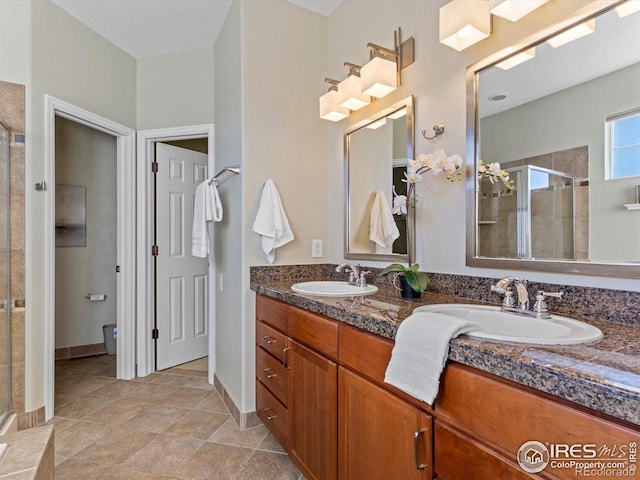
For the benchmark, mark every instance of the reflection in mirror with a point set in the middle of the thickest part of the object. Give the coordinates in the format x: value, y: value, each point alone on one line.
x: 376, y: 153
x: 565, y: 124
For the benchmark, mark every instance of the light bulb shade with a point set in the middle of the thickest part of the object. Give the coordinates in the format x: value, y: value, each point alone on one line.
x: 330, y: 109
x: 572, y: 34
x: 350, y: 94
x: 517, y: 59
x: 627, y: 8
x: 379, y: 77
x: 514, y: 10
x: 464, y: 22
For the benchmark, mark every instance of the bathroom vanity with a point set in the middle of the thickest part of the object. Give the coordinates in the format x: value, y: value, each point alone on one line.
x: 320, y: 390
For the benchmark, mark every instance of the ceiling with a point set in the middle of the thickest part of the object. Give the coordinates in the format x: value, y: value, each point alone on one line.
x: 148, y: 28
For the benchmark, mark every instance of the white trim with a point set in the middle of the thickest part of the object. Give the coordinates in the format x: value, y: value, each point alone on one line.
x: 126, y: 299
x: 146, y: 140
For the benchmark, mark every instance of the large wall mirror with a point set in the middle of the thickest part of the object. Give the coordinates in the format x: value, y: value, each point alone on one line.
x: 375, y: 158
x: 565, y: 124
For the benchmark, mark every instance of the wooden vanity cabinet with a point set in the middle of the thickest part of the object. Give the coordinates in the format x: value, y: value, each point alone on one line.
x: 344, y: 422
x: 482, y: 421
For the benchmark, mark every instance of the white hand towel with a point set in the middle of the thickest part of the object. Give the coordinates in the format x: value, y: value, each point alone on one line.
x: 382, y: 228
x: 271, y: 222
x: 206, y: 207
x: 421, y: 351
x: 199, y: 241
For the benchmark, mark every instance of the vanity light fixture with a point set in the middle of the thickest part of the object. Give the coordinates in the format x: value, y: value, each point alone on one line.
x: 514, y: 10
x: 517, y: 59
x: 573, y: 33
x: 464, y: 22
x: 350, y: 90
x: 627, y: 8
x: 330, y: 109
x: 381, y: 75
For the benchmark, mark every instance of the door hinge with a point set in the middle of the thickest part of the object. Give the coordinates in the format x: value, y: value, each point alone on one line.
x: 154, y: 334
x: 154, y: 167
x: 117, y: 268
x: 154, y: 250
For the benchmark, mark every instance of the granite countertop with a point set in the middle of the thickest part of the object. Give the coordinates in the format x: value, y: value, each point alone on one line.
x: 603, y: 376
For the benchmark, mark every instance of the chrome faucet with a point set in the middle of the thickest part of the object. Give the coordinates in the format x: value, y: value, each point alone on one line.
x: 356, y: 276
x: 540, y: 310
x: 503, y: 286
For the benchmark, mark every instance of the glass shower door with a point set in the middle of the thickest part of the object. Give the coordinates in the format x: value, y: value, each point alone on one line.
x: 5, y: 310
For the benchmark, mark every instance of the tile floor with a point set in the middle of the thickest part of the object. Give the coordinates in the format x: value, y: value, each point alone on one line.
x: 169, y: 425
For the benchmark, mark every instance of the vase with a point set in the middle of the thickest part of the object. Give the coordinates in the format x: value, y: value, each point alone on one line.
x: 405, y: 289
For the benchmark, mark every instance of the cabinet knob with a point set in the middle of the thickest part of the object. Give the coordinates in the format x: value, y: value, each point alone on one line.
x: 269, y: 375
x: 269, y: 417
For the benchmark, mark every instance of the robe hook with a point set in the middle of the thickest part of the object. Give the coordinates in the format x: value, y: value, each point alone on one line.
x: 438, y: 129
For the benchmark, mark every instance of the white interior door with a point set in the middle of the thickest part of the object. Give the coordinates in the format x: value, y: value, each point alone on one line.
x: 182, y: 280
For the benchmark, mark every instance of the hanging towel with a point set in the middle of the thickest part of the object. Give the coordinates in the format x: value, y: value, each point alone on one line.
x: 271, y: 222
x: 382, y: 228
x: 206, y: 207
x: 421, y: 351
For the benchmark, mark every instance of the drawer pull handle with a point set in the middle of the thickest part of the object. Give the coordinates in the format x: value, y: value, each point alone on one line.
x: 269, y: 340
x: 416, y: 449
x: 269, y: 375
x: 285, y: 357
x: 269, y: 417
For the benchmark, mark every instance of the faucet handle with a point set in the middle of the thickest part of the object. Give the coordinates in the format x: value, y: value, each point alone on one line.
x: 541, y: 306
x: 509, y: 301
x: 362, y: 281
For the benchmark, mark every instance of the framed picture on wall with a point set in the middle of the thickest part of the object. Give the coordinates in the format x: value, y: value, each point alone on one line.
x: 71, y: 216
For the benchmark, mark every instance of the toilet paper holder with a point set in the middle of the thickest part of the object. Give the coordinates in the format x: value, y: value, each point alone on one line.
x: 96, y: 297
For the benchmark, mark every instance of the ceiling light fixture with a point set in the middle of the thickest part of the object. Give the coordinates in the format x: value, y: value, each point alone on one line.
x: 464, y: 22
x: 514, y: 10
x: 573, y: 33
x: 330, y: 109
x: 517, y: 59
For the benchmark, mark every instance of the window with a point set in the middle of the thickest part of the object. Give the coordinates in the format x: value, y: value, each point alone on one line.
x: 623, y: 145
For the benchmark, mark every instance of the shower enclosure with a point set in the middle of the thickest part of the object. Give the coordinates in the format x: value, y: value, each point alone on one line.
x: 536, y: 220
x: 5, y: 310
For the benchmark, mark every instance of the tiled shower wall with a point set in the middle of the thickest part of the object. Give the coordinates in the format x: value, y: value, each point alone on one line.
x: 555, y: 233
x: 12, y: 113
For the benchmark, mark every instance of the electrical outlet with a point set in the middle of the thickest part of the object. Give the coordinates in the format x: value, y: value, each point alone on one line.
x: 316, y: 249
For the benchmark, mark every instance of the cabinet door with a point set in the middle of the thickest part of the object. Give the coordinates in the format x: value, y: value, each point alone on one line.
x: 313, y: 410
x: 381, y: 437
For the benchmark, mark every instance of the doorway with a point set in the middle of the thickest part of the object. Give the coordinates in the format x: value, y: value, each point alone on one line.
x: 147, y: 140
x: 125, y: 237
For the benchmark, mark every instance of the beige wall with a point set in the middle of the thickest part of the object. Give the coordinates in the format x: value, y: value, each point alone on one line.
x: 268, y: 121
x: 86, y: 157
x: 74, y: 64
x: 176, y: 90
x: 437, y: 79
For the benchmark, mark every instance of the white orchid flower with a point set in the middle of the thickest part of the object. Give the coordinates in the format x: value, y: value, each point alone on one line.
x: 416, y: 164
x: 412, y: 177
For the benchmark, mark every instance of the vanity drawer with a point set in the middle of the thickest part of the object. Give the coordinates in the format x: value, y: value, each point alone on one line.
x: 273, y: 414
x: 367, y: 354
x: 315, y: 331
x: 505, y: 415
x: 272, y: 374
x: 271, y: 340
x: 273, y: 312
x: 459, y: 458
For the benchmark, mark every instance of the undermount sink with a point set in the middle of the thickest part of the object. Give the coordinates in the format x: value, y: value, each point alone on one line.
x: 333, y: 289
x: 495, y: 324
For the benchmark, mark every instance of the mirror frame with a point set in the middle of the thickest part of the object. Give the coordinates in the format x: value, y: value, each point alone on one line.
x: 620, y: 270
x: 411, y: 217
